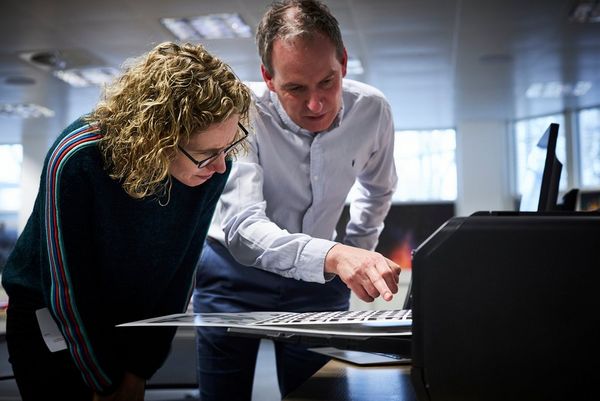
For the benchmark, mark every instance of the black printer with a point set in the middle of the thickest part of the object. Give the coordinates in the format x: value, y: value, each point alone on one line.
x: 506, y: 305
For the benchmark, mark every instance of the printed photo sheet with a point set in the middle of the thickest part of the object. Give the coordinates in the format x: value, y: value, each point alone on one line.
x: 347, y: 323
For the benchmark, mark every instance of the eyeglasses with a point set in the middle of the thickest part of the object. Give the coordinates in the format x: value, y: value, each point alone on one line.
x: 205, y: 162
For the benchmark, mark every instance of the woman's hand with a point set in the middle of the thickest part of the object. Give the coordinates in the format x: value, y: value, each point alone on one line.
x: 132, y: 388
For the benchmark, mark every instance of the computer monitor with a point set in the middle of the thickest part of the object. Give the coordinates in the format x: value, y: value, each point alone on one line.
x: 540, y: 187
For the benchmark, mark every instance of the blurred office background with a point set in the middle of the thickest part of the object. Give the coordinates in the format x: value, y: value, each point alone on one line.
x: 472, y: 83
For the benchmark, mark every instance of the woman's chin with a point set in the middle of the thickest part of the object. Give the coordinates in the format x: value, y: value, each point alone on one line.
x: 193, y: 181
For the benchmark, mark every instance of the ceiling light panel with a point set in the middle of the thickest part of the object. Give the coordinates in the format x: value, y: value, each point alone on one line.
x: 555, y: 89
x: 83, y: 77
x: 24, y: 110
x: 79, y: 68
x: 586, y: 11
x: 214, y: 26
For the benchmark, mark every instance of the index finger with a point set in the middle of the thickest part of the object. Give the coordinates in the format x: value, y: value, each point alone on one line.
x: 393, y: 265
x: 384, y: 279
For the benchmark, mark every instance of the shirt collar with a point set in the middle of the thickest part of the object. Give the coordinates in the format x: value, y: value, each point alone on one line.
x: 295, y: 128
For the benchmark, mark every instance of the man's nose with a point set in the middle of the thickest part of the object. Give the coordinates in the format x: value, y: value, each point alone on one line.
x: 315, y: 102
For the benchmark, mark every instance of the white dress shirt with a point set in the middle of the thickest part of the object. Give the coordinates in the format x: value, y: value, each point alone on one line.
x: 282, y: 202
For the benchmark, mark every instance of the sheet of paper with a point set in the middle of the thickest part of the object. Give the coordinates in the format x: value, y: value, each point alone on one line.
x: 346, y: 323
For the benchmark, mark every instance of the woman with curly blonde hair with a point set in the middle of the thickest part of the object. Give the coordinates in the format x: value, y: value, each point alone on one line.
x: 126, y: 197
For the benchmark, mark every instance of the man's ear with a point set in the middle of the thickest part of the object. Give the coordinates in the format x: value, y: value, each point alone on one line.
x: 267, y: 78
x: 344, y: 63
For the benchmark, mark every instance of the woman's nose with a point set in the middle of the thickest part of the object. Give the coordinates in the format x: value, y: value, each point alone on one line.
x: 218, y: 165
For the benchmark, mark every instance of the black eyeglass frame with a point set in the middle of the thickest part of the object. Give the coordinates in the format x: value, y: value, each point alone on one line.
x: 205, y: 162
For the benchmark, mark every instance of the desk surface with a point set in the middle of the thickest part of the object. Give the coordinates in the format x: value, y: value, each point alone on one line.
x: 342, y: 381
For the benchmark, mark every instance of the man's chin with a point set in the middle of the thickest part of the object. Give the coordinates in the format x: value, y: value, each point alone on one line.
x: 316, y: 125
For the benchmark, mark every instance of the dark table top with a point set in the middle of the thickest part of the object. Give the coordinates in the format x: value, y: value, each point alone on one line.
x: 343, y: 381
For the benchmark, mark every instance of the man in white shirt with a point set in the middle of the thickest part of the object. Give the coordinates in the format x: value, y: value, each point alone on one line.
x: 271, y: 245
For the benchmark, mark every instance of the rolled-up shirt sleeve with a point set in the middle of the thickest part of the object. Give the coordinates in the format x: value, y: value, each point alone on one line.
x: 254, y: 240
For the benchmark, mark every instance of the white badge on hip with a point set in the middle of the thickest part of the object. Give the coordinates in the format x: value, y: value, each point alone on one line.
x: 50, y: 333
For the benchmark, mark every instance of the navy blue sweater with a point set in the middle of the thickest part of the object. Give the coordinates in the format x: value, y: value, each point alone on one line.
x: 97, y: 257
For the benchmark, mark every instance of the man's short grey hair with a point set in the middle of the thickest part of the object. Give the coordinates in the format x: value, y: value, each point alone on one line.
x: 296, y: 18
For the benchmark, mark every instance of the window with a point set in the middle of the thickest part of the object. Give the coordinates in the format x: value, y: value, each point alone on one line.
x: 527, y: 134
x: 589, y: 147
x: 11, y: 157
x: 426, y: 165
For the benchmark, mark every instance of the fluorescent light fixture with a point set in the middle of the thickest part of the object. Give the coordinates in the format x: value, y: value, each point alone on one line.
x: 83, y: 77
x: 555, y: 89
x: 534, y: 90
x: 585, y: 11
x: 77, y: 67
x: 354, y: 66
x: 581, y: 88
x: 214, y: 26
x: 24, y: 110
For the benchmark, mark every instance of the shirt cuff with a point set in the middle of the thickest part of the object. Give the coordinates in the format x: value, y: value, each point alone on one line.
x: 312, y: 260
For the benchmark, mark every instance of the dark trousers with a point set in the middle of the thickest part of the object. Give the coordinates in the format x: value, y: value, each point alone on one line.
x: 226, y: 363
x: 39, y: 373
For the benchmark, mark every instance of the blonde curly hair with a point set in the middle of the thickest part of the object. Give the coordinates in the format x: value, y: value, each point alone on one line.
x: 160, y: 100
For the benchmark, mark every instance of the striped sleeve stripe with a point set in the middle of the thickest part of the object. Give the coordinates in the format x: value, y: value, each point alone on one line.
x: 62, y: 298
